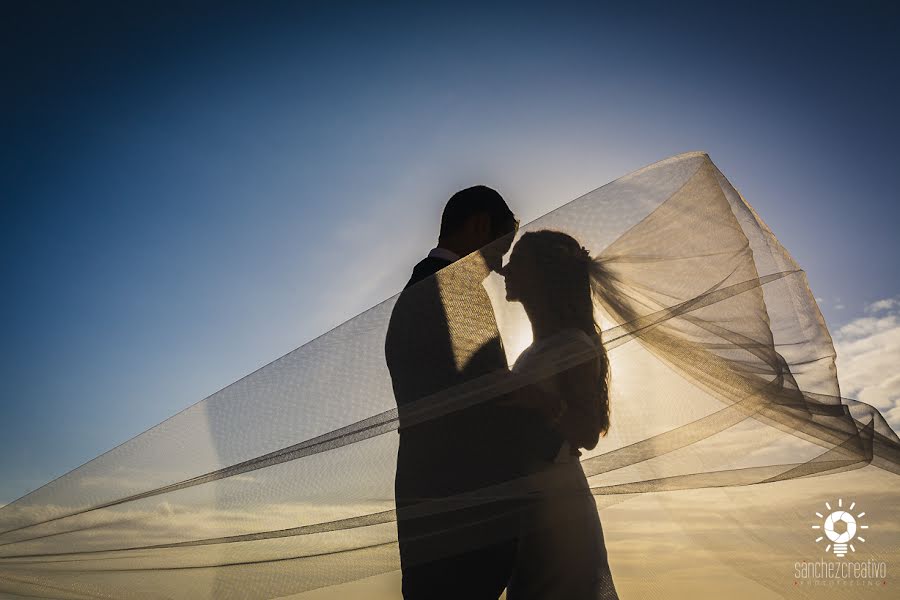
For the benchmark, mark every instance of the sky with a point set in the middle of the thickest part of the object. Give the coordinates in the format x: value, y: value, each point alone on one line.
x: 191, y: 191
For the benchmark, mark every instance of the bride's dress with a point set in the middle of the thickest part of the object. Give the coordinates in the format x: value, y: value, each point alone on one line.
x: 561, y: 552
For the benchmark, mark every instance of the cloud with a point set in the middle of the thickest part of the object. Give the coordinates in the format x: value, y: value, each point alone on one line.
x: 868, y: 352
x: 883, y: 305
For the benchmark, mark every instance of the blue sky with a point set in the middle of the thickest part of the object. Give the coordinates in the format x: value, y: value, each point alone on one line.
x: 189, y: 193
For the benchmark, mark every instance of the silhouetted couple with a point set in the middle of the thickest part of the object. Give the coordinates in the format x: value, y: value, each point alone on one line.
x: 489, y: 489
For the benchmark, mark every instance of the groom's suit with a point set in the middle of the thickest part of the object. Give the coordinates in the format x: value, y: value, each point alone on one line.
x: 443, y: 334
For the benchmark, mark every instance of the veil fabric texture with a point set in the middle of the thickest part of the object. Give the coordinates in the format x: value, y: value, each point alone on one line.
x: 728, y: 430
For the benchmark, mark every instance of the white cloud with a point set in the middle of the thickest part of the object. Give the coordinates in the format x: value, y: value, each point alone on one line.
x: 868, y: 355
x: 883, y: 305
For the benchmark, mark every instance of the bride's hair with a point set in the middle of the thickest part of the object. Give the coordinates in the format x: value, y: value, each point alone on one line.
x: 563, y: 268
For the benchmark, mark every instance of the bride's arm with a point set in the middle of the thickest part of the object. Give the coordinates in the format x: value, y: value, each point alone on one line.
x: 578, y: 422
x: 538, y: 397
x: 567, y: 401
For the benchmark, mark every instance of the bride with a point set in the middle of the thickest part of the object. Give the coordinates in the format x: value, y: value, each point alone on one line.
x: 561, y: 552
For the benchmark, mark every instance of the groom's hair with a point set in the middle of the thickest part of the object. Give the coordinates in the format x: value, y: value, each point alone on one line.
x: 476, y: 200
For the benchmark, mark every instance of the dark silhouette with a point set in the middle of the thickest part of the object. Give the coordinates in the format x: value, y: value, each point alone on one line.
x: 443, y: 334
x: 561, y: 552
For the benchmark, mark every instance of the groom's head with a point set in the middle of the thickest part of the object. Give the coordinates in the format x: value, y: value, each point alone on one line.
x: 475, y: 217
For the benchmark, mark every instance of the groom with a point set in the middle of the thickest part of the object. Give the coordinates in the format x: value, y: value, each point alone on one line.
x: 442, y: 334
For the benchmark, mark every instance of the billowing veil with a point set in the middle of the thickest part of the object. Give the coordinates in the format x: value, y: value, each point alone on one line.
x: 728, y: 433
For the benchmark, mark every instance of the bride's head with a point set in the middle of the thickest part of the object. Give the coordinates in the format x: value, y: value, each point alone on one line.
x: 549, y: 272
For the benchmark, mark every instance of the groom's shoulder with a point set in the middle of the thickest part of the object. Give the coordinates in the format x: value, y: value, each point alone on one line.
x: 426, y: 268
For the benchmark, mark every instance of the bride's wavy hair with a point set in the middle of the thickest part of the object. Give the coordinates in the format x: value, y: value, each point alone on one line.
x: 565, y: 270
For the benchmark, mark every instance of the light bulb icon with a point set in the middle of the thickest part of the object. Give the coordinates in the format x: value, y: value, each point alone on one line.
x: 840, y: 527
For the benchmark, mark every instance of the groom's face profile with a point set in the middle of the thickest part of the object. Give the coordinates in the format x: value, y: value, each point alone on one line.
x: 492, y: 239
x: 498, y: 242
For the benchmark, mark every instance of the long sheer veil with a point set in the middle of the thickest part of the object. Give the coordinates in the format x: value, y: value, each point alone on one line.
x: 728, y: 431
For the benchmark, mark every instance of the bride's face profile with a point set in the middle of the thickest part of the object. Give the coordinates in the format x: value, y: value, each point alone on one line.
x: 516, y: 275
x: 546, y: 270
